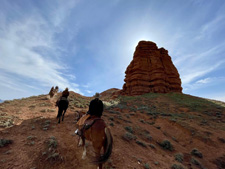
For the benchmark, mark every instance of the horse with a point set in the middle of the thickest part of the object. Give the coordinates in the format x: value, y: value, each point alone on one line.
x: 96, y: 131
x: 79, y: 114
x: 62, y: 104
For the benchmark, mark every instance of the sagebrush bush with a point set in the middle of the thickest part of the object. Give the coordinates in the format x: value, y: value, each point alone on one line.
x: 179, y: 157
x: 176, y: 166
x: 129, y: 129
x: 142, y: 120
x: 4, y: 142
x: 141, y: 143
x: 31, y: 137
x: 52, y: 142
x: 197, y: 153
x: 146, y: 166
x: 111, y: 118
x: 196, y: 162
x: 152, y: 146
x: 166, y: 145
x: 128, y: 136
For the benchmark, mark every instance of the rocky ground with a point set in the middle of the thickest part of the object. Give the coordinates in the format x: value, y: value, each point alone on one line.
x: 150, y: 131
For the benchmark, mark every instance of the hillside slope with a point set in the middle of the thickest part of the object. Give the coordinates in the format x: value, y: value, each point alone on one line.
x: 149, y: 131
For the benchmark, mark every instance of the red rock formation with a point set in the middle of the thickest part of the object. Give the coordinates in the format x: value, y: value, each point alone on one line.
x: 151, y: 70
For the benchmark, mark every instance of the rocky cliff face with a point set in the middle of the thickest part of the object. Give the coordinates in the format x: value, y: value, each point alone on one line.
x: 151, y: 70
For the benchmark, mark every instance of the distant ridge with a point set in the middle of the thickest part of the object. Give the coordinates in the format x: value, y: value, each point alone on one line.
x: 1, y: 101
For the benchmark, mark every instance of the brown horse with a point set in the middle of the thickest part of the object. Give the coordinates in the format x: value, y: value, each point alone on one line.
x: 99, y: 134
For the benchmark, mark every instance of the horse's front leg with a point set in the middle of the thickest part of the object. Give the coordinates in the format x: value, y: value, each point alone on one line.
x: 63, y: 115
x: 80, y: 142
x: 58, y: 117
x: 84, y: 149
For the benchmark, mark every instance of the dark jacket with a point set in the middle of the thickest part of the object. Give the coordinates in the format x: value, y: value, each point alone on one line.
x: 95, y: 107
x: 65, y: 93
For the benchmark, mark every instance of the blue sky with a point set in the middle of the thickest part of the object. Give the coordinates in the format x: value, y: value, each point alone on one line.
x: 86, y: 45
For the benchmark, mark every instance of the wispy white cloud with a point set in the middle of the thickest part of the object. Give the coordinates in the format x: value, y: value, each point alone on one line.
x: 62, y: 10
x: 192, y: 73
x: 10, y: 82
x: 19, y: 43
x: 89, y: 92
x: 211, y: 26
x: 204, y: 81
x: 86, y: 85
x: 193, y: 66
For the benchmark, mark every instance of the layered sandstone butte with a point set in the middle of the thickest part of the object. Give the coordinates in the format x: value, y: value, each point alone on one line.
x: 151, y: 70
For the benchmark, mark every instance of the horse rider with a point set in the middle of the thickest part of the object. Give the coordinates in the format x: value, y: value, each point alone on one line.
x: 64, y: 95
x: 95, y: 111
x: 51, y: 92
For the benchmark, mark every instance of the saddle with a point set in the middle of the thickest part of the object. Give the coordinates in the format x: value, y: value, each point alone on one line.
x: 90, y: 121
x: 87, y: 124
x: 61, y: 98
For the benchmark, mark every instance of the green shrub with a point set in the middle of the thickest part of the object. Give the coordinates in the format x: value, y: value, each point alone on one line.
x: 114, y: 112
x: 43, y: 110
x: 146, y: 166
x: 31, y: 137
x: 128, y: 116
x: 196, y: 153
x: 128, y: 136
x: 33, y: 127
x: 142, y: 120
x: 174, y: 138
x: 111, y: 118
x: 152, y: 146
x: 51, y: 110
x: 158, y: 127
x: 4, y: 142
x: 148, y: 137
x: 156, y: 163
x: 222, y: 140
x: 176, y: 166
x: 173, y: 119
x: 52, y: 142
x: 196, y: 162
x: 111, y: 124
x: 141, y: 143
x: 150, y: 123
x: 32, y: 106
x: 53, y: 156
x: 119, y: 117
x: 166, y: 145
x: 129, y: 129
x: 179, y: 157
